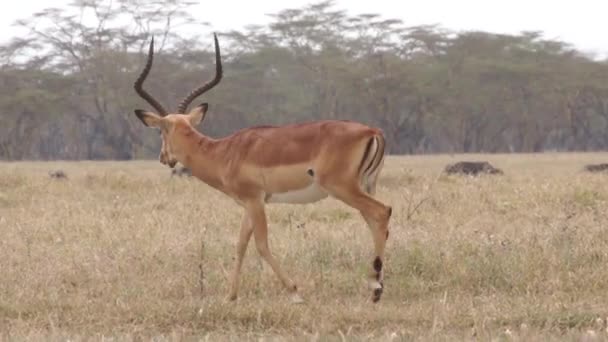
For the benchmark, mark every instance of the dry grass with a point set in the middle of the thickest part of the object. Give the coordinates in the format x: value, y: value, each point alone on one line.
x: 114, y: 251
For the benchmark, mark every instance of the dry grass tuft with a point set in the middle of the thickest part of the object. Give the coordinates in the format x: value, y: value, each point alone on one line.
x: 113, y: 251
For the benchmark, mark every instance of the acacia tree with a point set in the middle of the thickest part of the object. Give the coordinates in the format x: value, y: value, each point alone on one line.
x: 67, y: 86
x: 95, y: 44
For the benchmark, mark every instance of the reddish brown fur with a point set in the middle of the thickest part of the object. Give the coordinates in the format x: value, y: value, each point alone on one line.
x: 319, y: 145
x: 256, y: 162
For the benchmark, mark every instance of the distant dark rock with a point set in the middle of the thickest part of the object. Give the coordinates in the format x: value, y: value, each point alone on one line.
x: 472, y: 168
x: 58, y: 174
x: 597, y: 167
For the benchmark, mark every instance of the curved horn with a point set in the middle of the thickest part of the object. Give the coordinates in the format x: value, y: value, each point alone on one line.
x: 140, y: 81
x: 181, y: 109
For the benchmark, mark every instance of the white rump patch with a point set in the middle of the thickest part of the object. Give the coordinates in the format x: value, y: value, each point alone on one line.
x: 310, y: 194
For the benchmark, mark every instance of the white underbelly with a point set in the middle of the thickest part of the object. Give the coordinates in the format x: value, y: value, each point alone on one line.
x: 310, y: 194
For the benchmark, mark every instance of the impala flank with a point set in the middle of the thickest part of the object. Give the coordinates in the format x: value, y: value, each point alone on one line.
x: 299, y: 163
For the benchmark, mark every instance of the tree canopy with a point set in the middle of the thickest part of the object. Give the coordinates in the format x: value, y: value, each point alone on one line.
x: 66, y: 89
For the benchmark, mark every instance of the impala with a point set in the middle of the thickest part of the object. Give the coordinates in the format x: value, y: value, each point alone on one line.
x: 298, y: 163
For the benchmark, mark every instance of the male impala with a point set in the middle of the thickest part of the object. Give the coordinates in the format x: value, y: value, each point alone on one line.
x: 300, y: 163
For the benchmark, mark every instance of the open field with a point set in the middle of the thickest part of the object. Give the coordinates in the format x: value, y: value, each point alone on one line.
x: 114, y: 251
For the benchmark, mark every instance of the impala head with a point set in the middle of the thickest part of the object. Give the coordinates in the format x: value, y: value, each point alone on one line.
x: 171, y: 124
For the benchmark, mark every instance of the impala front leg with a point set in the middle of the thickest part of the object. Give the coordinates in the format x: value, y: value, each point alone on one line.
x: 241, y: 248
x: 260, y: 233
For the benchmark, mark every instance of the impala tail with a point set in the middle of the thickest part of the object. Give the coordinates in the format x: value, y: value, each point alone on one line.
x: 372, y: 162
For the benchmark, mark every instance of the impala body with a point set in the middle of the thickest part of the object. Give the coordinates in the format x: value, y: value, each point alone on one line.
x: 299, y: 163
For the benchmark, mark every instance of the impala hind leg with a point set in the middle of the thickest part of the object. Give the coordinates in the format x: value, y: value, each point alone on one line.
x: 260, y: 234
x: 241, y: 248
x: 377, y: 216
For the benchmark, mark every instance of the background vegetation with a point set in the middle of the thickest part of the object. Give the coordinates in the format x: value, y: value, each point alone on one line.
x: 66, y: 88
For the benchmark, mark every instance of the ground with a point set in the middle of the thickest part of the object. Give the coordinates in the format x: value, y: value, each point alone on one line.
x: 114, y: 251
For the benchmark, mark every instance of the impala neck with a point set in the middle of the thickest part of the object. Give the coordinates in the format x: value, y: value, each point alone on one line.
x: 196, y: 152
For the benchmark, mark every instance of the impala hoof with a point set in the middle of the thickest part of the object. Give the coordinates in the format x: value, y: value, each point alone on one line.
x: 377, y: 289
x: 297, y: 299
x: 377, y: 295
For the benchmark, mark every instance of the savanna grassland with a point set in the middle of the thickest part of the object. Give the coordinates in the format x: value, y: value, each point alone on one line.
x: 114, y: 251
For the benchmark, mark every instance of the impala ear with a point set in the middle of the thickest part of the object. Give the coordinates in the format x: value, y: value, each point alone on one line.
x: 197, y: 114
x: 148, y: 118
